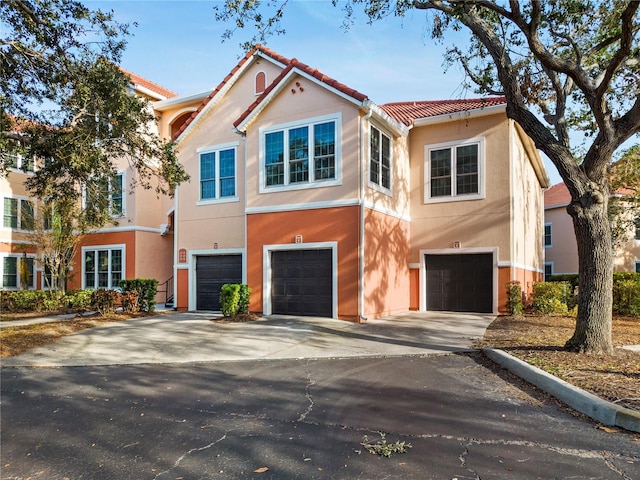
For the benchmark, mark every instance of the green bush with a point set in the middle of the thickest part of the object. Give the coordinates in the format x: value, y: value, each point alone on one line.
x: 572, y: 278
x: 104, y: 301
x: 514, y: 298
x: 31, y: 301
x: 230, y: 299
x: 146, y: 288
x: 626, y: 293
x: 243, y: 301
x: 78, y: 298
x: 552, y: 297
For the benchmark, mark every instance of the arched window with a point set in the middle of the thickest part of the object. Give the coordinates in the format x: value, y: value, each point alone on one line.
x: 261, y: 82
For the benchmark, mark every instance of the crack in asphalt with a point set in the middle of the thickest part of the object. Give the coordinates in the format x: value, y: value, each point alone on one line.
x: 307, y: 394
x: 199, y: 449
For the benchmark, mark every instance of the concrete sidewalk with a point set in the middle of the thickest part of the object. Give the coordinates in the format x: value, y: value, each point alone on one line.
x: 193, y: 337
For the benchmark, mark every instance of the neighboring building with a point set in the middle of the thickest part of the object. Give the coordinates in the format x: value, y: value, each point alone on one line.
x: 561, y: 251
x: 327, y: 204
x: 138, y: 244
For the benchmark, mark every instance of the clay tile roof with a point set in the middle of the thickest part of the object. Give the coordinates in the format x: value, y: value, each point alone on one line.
x: 408, y: 112
x: 557, y: 196
x: 154, y: 87
x: 277, y: 57
x: 315, y: 73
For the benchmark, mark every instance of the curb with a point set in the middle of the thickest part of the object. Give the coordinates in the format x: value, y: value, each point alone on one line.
x: 605, y: 412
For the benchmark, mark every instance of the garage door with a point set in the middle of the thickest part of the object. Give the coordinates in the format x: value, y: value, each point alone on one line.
x: 460, y: 283
x: 211, y: 273
x: 301, y: 282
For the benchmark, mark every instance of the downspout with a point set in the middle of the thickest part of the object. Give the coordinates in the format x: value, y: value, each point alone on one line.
x: 175, y: 248
x: 363, y: 145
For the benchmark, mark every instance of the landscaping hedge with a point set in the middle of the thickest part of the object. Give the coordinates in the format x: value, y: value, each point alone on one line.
x: 234, y: 299
x: 146, y: 288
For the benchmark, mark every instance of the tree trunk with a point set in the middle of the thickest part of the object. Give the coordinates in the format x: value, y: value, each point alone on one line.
x: 595, y: 260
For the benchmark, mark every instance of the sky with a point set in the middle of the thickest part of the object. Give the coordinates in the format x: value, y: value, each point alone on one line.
x: 178, y: 44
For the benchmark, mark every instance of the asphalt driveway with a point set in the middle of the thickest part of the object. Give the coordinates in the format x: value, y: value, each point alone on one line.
x: 193, y: 337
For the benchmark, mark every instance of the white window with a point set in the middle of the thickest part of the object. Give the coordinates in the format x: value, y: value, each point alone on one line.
x: 18, y: 161
x: 548, y: 239
x: 218, y: 173
x: 300, y: 155
x: 454, y: 171
x: 380, y: 159
x: 103, y: 267
x: 18, y: 214
x: 107, y: 193
x: 17, y: 272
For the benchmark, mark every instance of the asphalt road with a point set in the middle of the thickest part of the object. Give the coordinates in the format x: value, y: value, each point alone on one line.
x: 297, y: 419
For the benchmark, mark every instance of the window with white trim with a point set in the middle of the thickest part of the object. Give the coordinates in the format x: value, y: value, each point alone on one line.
x: 637, y: 228
x: 18, y: 213
x: 380, y: 159
x: 218, y: 173
x: 17, y: 272
x: 548, y: 239
x: 18, y: 161
x: 300, y: 155
x: 637, y: 266
x: 454, y: 171
x: 107, y: 193
x: 103, y: 267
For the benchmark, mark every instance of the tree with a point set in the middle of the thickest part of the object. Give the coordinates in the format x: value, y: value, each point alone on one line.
x: 65, y: 101
x: 562, y: 65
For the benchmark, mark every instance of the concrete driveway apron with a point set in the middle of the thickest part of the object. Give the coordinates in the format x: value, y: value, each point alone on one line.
x: 193, y: 337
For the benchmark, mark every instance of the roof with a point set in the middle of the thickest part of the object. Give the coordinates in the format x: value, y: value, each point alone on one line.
x: 292, y: 65
x: 557, y: 196
x: 137, y: 80
x: 408, y: 112
x: 258, y: 49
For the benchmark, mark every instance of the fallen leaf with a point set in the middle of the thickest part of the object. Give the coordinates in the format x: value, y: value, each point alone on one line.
x: 261, y: 470
x: 608, y: 429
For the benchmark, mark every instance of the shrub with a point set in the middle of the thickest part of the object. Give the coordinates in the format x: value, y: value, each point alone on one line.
x: 243, y: 301
x: 129, y: 300
x: 30, y: 301
x: 552, y: 297
x: 230, y: 299
x: 626, y: 294
x: 104, y: 301
x: 514, y: 298
x: 78, y: 298
x: 572, y: 278
x: 146, y: 288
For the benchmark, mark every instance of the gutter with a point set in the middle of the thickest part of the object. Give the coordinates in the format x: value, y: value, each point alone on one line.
x: 361, y: 202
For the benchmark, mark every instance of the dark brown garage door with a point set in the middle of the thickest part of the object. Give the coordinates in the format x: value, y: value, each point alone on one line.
x: 301, y: 282
x: 211, y: 273
x: 460, y: 283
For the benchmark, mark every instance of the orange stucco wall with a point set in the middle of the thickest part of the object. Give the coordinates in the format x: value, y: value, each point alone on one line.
x: 318, y: 225
x: 526, y: 278
x: 386, y: 275
x: 414, y: 289
x: 182, y: 290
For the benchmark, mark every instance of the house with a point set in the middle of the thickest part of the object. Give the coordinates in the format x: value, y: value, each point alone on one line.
x: 137, y: 244
x: 327, y: 204
x: 559, y: 240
